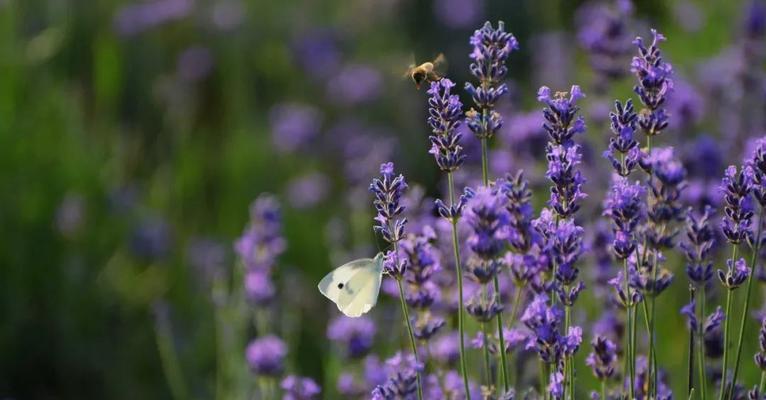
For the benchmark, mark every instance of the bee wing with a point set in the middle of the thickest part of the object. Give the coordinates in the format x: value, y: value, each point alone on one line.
x: 440, y: 65
x: 410, y: 62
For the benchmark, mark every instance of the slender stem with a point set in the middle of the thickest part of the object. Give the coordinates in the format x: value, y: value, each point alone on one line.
x: 414, y: 345
x: 487, y: 367
x: 690, y: 365
x: 569, y: 361
x: 725, y: 344
x: 484, y: 162
x: 628, y: 332
x: 634, y: 329
x: 169, y: 360
x: 743, y: 323
x: 603, y: 389
x: 543, y: 379
x: 459, y: 274
x: 503, y: 360
x: 701, y: 347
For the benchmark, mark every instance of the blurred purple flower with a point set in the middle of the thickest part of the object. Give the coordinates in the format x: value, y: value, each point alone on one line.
x: 136, y: 18
x: 262, y: 242
x: 294, y: 126
x: 603, y: 31
x: 355, y: 84
x: 266, y: 355
x: 151, y: 239
x: 308, y: 190
x: 458, y: 14
x: 259, y: 288
x: 317, y: 52
x: 353, y: 334
x: 299, y: 388
x: 207, y: 257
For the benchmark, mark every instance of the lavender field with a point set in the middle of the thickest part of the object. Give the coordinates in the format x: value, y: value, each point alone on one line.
x: 383, y: 199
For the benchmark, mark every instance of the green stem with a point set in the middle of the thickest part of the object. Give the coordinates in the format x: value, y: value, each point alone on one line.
x: 603, y: 389
x: 503, y: 360
x: 487, y: 367
x: 459, y: 274
x: 628, y: 331
x: 762, y: 385
x: 484, y: 162
x: 652, y: 363
x: 743, y: 323
x: 725, y: 344
x: 414, y: 346
x: 701, y: 347
x: 690, y: 364
x: 169, y: 360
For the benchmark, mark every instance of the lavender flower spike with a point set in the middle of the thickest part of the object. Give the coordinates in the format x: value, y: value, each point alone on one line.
x: 388, y: 190
x: 560, y: 121
x: 445, y: 110
x: 654, y: 84
x: 491, y: 48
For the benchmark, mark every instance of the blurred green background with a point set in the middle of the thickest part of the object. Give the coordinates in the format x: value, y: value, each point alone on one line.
x: 131, y: 132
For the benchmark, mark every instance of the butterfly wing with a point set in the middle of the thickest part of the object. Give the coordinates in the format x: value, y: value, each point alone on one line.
x: 328, y: 286
x: 360, y: 293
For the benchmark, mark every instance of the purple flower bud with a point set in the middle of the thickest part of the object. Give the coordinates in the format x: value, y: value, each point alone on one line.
x: 266, y: 356
x: 736, y: 187
x: 603, y: 358
x: 560, y: 113
x: 735, y: 275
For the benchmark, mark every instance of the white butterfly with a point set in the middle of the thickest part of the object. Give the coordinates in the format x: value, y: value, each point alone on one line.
x: 354, y: 286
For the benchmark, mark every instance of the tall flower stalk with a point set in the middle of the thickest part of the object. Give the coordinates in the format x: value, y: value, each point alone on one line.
x: 491, y: 48
x: 757, y: 163
x: 445, y: 111
x: 563, y: 238
x: 699, y: 269
x: 736, y: 186
x: 388, y: 191
x: 654, y: 84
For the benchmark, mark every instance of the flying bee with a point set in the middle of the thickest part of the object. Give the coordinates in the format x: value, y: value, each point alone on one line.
x: 431, y: 71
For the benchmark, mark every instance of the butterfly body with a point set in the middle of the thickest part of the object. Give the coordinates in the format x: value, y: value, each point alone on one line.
x: 354, y: 286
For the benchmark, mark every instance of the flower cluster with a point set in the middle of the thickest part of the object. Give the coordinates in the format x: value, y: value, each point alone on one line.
x: 491, y: 48
x: 700, y: 239
x: 300, y: 388
x: 735, y: 275
x: 388, y: 191
x: 712, y: 321
x: 623, y: 151
x: 603, y: 359
x: 654, y: 84
x: 736, y: 186
x: 666, y: 183
x: 543, y: 320
x: 625, y: 206
x: 355, y: 335
x: 259, y: 246
x: 560, y: 122
x: 603, y: 32
x: 402, y: 372
x: 422, y: 260
x: 444, y: 112
x: 266, y: 356
x: 516, y: 189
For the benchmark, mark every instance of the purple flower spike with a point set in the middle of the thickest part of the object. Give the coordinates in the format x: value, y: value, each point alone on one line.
x: 488, y: 218
x: 700, y: 239
x: 560, y: 113
x: 736, y: 187
x: 623, y: 151
x: 445, y: 110
x: 266, y: 355
x: 654, y: 84
x: 603, y: 358
x: 757, y: 162
x: 388, y: 191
